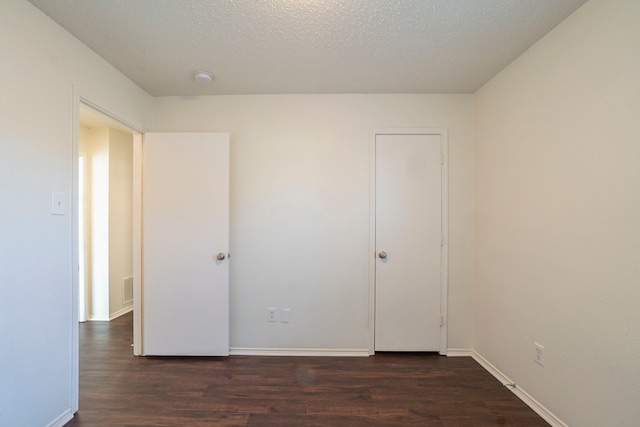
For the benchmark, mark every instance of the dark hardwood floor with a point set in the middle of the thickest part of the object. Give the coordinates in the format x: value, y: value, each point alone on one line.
x: 118, y: 389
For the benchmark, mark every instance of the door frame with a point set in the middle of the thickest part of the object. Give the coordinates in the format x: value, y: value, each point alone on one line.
x: 444, y: 269
x: 82, y: 245
x: 78, y: 102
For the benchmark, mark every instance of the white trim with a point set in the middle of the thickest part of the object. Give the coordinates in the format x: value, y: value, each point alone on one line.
x: 74, y: 381
x: 372, y: 242
x: 540, y: 409
x: 459, y: 352
x: 119, y: 121
x: 320, y: 352
x: 137, y: 243
x: 110, y: 317
x: 122, y: 312
x: 61, y: 419
x: 444, y: 251
x: 444, y: 285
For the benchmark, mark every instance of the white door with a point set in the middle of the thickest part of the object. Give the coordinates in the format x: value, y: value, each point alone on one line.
x: 408, y: 230
x: 185, y: 291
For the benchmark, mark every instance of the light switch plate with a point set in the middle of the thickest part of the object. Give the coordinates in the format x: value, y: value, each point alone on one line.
x: 58, y: 203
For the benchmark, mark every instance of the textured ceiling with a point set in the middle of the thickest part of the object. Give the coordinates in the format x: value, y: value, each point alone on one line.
x: 309, y: 46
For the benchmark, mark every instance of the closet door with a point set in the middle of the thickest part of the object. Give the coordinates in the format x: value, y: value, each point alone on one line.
x: 408, y: 233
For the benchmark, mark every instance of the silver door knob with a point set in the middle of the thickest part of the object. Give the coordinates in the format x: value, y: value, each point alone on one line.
x: 220, y: 256
x: 382, y: 254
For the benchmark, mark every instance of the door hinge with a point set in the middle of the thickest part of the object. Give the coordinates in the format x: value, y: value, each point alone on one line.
x: 441, y: 321
x: 442, y: 158
x: 442, y: 240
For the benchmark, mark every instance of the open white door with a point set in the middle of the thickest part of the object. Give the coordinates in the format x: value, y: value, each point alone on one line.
x: 185, y: 292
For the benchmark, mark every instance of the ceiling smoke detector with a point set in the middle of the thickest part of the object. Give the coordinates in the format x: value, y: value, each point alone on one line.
x: 203, y: 77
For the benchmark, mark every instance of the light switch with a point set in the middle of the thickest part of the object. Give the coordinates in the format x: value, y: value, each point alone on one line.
x: 58, y: 203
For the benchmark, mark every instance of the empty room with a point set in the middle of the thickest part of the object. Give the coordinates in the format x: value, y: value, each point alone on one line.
x: 341, y: 212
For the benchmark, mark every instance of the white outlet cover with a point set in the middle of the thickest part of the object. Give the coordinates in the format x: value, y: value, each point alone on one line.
x: 539, y: 355
x: 272, y: 314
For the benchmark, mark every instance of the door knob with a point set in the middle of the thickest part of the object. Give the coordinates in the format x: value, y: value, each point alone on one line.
x: 220, y: 256
x: 382, y: 254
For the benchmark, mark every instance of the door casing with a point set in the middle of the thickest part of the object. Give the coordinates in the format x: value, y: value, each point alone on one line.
x: 442, y: 132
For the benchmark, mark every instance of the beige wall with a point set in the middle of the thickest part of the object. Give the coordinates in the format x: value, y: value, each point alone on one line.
x: 97, y: 151
x: 84, y: 148
x: 120, y: 217
x: 557, y: 228
x: 300, y: 207
x: 41, y: 63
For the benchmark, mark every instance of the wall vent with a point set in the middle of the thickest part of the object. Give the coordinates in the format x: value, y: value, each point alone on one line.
x: 127, y: 290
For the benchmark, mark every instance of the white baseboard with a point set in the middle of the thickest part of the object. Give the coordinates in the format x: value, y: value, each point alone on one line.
x: 546, y: 414
x: 339, y: 352
x: 121, y: 312
x: 62, y: 419
x: 109, y: 318
x: 459, y: 352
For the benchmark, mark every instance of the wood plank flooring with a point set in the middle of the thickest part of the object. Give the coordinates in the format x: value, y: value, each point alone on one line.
x: 118, y: 389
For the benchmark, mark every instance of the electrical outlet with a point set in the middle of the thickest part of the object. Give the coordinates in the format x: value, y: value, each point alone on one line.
x: 272, y: 314
x: 285, y: 315
x: 539, y: 355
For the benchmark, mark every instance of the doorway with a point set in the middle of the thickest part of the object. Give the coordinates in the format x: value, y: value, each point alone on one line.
x: 79, y: 104
x: 408, y: 240
x: 105, y: 218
